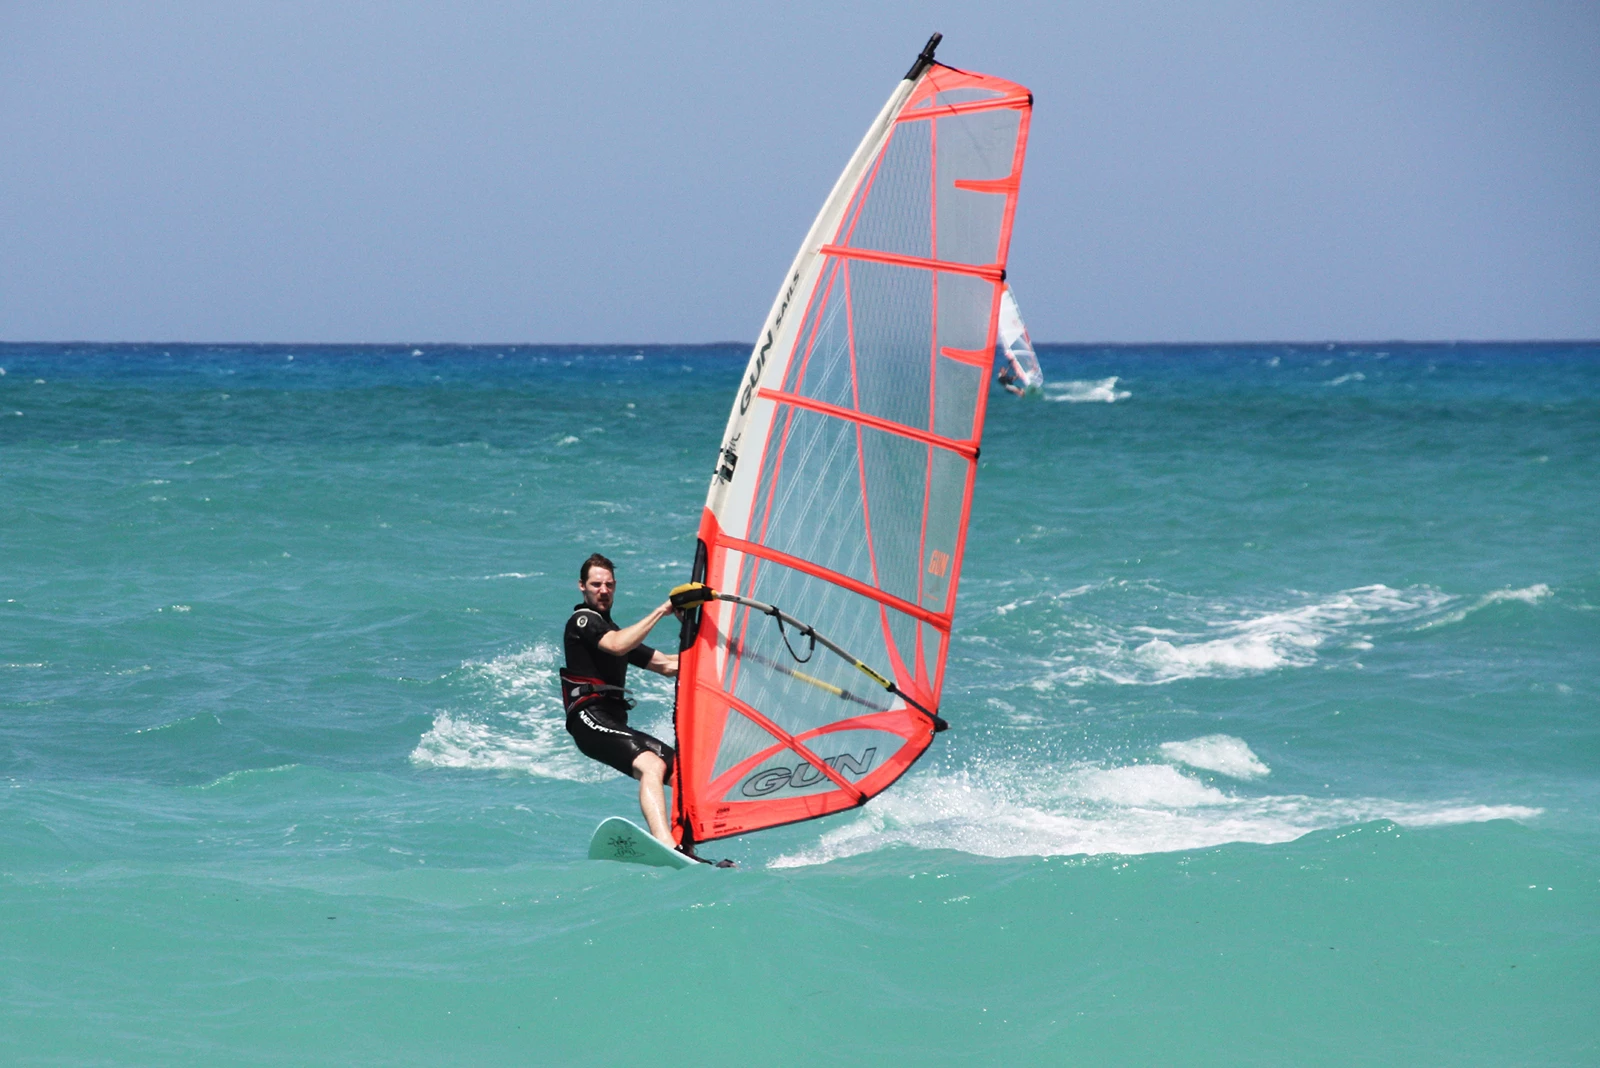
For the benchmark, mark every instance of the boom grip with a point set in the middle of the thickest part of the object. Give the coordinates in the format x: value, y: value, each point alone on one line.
x: 691, y: 595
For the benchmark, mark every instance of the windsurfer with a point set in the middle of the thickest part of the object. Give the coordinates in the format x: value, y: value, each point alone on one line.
x: 1013, y: 377
x: 598, y: 653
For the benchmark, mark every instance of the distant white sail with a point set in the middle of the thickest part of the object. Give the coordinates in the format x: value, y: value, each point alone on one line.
x: 1016, y: 346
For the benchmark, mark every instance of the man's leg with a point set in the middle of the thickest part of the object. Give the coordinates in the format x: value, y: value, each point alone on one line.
x: 651, y: 771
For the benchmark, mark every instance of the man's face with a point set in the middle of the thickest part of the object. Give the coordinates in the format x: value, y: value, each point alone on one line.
x: 598, y: 588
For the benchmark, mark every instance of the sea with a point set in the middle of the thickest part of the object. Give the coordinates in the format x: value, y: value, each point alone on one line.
x: 1274, y: 698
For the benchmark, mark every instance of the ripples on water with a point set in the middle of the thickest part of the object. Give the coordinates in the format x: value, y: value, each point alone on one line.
x: 1272, y: 697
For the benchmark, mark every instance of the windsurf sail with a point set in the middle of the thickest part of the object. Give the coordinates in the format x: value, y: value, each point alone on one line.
x: 1016, y: 348
x: 813, y: 652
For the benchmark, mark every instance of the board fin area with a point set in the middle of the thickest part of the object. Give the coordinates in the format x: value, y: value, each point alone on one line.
x: 624, y: 840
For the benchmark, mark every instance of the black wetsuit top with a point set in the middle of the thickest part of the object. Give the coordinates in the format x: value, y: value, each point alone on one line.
x: 584, y: 655
x: 599, y: 724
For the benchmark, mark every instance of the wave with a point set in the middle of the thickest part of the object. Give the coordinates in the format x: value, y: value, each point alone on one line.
x: 203, y: 721
x: 247, y: 775
x: 1079, y: 637
x: 1089, y: 810
x: 1221, y: 753
x: 536, y: 749
x: 1227, y: 647
x: 1282, y: 639
x: 1527, y: 595
x: 1103, y: 390
x: 513, y: 720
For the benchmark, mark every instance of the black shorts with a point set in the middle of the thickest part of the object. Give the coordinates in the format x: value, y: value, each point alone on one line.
x: 603, y: 734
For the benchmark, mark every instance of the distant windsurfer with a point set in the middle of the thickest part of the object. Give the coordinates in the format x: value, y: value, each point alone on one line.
x: 598, y: 654
x: 1013, y: 377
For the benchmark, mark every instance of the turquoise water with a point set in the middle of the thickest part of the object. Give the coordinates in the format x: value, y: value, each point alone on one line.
x: 1273, y: 701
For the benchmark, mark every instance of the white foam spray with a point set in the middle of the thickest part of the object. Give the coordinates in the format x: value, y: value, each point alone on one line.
x: 1130, y: 810
x: 1527, y: 595
x: 1221, y: 753
x: 1235, y: 645
x: 513, y: 720
x: 1103, y: 390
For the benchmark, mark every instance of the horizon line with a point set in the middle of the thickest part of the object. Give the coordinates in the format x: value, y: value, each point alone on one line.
x: 750, y: 344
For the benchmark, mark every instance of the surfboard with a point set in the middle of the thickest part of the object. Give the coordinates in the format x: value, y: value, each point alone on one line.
x: 624, y: 840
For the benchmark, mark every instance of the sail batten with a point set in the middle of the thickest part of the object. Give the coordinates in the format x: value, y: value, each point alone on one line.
x: 965, y: 448
x: 991, y: 271
x: 837, y: 513
x: 889, y: 600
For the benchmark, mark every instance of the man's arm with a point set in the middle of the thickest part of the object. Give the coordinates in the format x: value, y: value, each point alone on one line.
x: 663, y: 663
x: 624, y: 640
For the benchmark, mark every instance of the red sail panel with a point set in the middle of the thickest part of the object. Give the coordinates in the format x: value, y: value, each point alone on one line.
x: 844, y: 482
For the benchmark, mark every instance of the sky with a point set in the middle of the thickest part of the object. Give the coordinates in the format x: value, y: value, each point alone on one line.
x: 633, y: 173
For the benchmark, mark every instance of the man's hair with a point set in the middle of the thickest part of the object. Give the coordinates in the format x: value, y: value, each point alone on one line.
x: 595, y: 560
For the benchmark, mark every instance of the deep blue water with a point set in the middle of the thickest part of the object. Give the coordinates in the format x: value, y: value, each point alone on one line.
x: 1275, y: 723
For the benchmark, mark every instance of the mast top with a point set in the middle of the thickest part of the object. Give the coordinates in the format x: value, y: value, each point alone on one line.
x: 925, y: 60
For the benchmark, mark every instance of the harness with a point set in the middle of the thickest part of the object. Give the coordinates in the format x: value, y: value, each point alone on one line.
x: 580, y: 690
